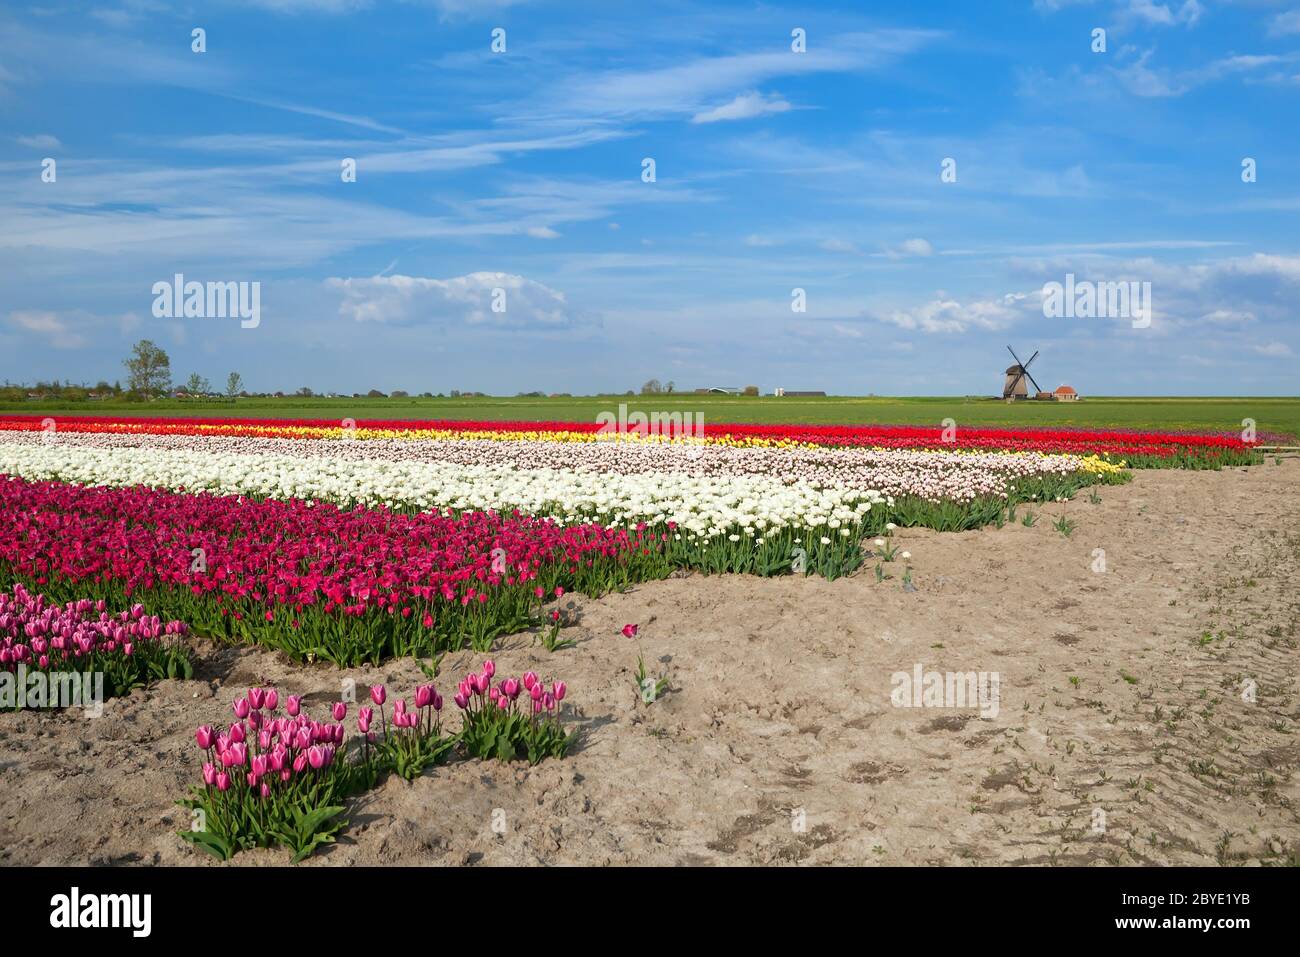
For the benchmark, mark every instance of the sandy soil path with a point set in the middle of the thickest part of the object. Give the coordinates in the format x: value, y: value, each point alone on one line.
x: 1147, y: 714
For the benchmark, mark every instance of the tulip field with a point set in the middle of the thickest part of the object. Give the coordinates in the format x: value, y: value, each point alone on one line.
x: 408, y: 538
x: 124, y: 539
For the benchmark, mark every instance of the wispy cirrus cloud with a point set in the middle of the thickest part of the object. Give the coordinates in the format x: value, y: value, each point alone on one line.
x: 744, y: 107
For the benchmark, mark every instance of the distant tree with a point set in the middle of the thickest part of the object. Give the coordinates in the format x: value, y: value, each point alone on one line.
x: 751, y: 390
x: 652, y: 388
x: 375, y: 394
x: 102, y: 387
x: 398, y: 394
x: 149, y: 370
x: 197, y: 385
x: 234, y: 384
x: 669, y: 386
x: 305, y: 392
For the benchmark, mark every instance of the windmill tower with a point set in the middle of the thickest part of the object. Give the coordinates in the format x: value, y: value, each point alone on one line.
x: 1014, y: 386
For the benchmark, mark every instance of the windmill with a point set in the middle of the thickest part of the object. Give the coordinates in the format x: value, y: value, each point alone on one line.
x: 1014, y: 387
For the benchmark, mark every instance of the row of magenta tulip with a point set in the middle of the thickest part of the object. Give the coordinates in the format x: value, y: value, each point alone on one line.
x: 273, y: 779
x: 128, y: 648
x: 320, y: 582
x: 312, y: 580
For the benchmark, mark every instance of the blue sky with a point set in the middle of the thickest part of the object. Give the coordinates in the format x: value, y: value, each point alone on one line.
x: 774, y: 170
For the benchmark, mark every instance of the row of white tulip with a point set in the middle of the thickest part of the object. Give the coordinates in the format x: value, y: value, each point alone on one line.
x: 955, y: 476
x: 706, y: 506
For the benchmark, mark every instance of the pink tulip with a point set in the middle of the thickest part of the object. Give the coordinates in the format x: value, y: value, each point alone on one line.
x: 535, y: 692
x: 424, y: 696
x: 629, y: 631
x: 209, y: 773
x: 510, y: 688
x: 300, y: 763
x: 530, y: 679
x: 223, y: 781
x: 237, y: 733
x: 272, y: 699
x: 205, y: 737
x: 461, y: 699
x: 241, y: 708
x: 292, y: 704
x: 316, y: 756
x: 560, y: 689
x: 489, y: 668
x: 256, y: 697
x: 339, y: 710
x: 548, y: 699
x: 378, y: 694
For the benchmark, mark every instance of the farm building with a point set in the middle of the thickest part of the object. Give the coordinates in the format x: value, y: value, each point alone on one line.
x: 1066, y: 393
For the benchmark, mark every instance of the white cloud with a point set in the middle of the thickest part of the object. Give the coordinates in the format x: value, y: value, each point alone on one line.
x: 840, y: 246
x: 1141, y: 79
x: 951, y: 316
x: 462, y: 300
x: 1228, y: 316
x: 1286, y: 23
x: 743, y: 107
x: 39, y: 141
x: 1160, y: 14
x: 1275, y: 350
x: 915, y: 247
x: 690, y: 86
x: 754, y: 239
x: 49, y: 325
x: 542, y: 232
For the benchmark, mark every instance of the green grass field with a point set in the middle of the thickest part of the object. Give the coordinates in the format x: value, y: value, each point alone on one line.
x: 1272, y: 414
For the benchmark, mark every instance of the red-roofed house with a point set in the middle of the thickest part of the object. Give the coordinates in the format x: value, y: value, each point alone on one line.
x: 1066, y: 393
